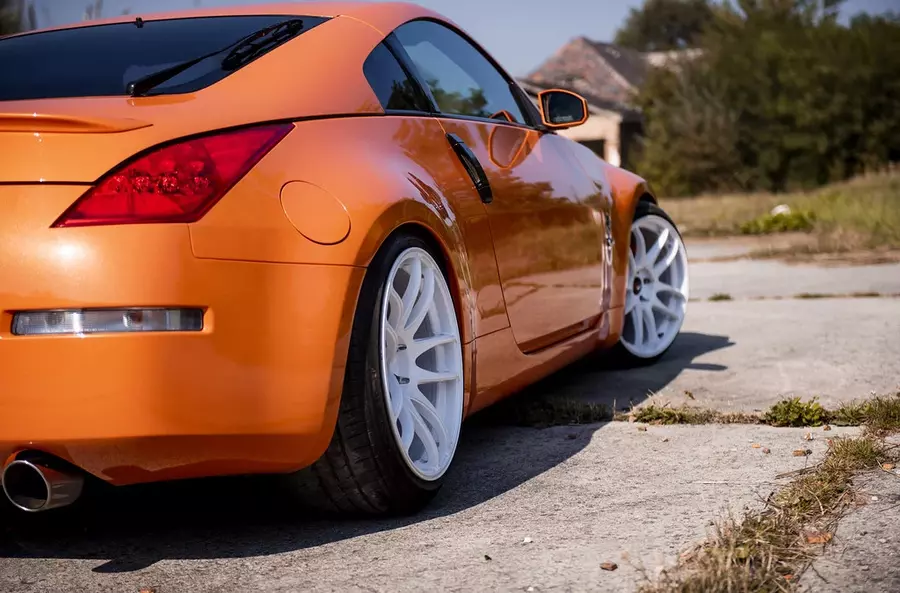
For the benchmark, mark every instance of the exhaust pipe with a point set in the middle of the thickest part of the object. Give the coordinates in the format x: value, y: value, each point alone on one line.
x: 32, y: 485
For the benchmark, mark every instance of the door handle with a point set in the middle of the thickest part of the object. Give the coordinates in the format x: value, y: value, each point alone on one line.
x: 473, y: 168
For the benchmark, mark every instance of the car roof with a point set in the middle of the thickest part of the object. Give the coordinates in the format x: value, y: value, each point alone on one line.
x: 384, y: 16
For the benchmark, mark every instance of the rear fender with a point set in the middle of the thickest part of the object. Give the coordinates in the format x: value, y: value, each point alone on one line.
x: 381, y: 173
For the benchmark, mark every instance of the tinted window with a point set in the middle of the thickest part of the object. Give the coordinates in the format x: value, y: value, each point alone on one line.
x: 102, y: 59
x: 462, y: 80
x: 395, y: 90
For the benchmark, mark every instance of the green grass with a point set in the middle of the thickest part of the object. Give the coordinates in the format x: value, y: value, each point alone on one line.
x: 860, y: 214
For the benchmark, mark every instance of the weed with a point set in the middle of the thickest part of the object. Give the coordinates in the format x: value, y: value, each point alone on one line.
x: 879, y: 414
x: 654, y: 414
x: 767, y: 549
x: 720, y: 296
x: 794, y: 412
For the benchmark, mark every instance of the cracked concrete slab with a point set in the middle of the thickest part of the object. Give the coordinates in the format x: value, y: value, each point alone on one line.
x: 582, y: 495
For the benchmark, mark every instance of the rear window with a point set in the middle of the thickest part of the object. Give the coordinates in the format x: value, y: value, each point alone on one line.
x: 101, y: 60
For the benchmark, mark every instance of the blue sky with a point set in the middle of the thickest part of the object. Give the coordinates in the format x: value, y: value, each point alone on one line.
x: 520, y: 33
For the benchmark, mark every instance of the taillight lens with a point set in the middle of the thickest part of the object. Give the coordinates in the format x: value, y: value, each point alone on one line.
x: 176, y: 183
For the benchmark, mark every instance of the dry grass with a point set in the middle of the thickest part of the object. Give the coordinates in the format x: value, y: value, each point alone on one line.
x: 880, y: 414
x: 654, y: 414
x: 711, y: 216
x: 860, y: 214
x: 767, y: 550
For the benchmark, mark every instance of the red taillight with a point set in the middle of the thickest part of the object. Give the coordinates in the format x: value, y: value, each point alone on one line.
x: 176, y: 183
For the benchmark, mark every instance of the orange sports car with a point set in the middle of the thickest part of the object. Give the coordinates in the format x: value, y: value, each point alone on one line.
x: 304, y: 239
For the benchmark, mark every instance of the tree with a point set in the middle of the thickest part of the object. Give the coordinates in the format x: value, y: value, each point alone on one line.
x: 801, y: 99
x: 9, y: 16
x: 663, y: 25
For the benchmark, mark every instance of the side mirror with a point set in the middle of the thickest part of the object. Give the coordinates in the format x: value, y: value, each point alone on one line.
x: 562, y: 109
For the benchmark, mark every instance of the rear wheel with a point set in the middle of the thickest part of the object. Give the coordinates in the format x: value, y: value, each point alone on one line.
x: 658, y: 286
x: 402, y: 406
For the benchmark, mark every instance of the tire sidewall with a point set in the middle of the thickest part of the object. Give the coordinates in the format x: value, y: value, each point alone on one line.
x: 626, y: 357
x: 393, y: 465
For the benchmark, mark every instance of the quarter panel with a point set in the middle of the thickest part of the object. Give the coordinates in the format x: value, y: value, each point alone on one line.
x: 386, y: 172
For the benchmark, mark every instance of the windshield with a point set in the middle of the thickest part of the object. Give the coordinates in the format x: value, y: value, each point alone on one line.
x: 101, y: 60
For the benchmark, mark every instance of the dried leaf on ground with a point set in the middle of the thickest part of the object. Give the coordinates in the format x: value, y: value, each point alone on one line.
x: 609, y: 566
x: 808, y: 436
x: 802, y: 453
x: 819, y: 538
x: 826, y: 427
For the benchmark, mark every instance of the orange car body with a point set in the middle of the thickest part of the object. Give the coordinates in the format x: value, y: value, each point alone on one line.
x: 278, y: 262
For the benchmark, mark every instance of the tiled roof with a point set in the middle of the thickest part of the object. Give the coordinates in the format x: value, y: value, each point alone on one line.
x: 631, y: 64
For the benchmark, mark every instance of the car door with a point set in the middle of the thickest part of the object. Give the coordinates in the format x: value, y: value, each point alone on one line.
x: 548, y: 220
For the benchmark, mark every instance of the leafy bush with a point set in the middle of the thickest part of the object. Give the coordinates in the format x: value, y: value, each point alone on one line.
x: 779, y: 223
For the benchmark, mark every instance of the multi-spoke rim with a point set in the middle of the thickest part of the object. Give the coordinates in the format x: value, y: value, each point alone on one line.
x: 658, y: 288
x: 421, y: 363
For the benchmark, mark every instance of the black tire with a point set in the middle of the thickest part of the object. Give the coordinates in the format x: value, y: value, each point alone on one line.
x: 620, y: 355
x: 363, y: 473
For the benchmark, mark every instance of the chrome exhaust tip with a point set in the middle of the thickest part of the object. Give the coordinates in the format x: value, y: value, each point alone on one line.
x: 32, y: 486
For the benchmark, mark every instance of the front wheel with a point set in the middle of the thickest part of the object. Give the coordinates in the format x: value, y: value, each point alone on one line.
x: 657, y: 291
x: 402, y: 405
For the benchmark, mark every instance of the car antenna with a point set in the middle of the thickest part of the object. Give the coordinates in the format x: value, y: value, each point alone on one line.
x: 139, y: 23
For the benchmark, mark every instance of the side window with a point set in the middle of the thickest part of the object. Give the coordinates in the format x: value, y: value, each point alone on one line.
x: 394, y: 89
x: 461, y: 79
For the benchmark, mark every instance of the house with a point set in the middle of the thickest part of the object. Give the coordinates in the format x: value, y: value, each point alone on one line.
x: 607, y: 76
x: 611, y: 129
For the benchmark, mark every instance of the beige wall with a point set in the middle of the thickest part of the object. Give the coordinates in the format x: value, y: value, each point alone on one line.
x: 600, y: 125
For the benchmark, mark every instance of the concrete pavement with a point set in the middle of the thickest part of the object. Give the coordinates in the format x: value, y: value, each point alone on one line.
x: 580, y: 495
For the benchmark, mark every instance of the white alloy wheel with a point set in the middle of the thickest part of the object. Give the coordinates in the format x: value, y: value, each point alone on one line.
x: 421, y: 363
x: 657, y: 290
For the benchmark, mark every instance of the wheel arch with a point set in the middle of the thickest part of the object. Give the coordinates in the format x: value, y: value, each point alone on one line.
x: 628, y: 191
x: 445, y: 239
x: 449, y: 250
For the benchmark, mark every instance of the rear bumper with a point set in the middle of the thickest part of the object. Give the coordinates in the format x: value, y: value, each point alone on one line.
x: 256, y: 391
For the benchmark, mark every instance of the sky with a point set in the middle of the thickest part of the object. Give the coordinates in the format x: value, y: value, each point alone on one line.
x: 519, y: 33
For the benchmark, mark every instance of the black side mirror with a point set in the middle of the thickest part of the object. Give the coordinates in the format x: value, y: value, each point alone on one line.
x: 562, y: 109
